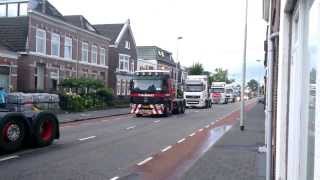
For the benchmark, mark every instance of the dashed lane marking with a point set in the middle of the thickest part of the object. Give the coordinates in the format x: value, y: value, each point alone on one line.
x: 207, y: 126
x: 166, y: 149
x: 87, y: 138
x: 131, y: 127
x: 8, y: 158
x: 145, y: 161
x: 200, y: 130
x: 114, y: 178
x: 156, y: 121
x: 192, y: 134
x: 181, y: 140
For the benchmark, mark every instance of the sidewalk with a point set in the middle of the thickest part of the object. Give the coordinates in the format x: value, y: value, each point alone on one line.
x: 235, y: 156
x: 63, y: 118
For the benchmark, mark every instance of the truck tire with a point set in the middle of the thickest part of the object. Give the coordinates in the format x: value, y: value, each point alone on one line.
x: 138, y: 115
x: 166, y: 112
x: 12, y: 134
x: 183, y: 108
x: 45, y: 130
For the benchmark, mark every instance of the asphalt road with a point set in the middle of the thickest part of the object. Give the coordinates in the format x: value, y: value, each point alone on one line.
x: 106, y: 148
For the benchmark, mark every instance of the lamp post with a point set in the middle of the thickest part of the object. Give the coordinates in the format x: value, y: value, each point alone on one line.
x: 177, y: 73
x: 242, y: 116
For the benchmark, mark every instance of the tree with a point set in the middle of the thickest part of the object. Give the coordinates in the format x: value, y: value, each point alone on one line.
x: 220, y: 75
x: 196, y: 69
x: 253, y: 85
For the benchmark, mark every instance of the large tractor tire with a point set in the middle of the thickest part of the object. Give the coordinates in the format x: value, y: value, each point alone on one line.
x: 45, y: 131
x: 183, y: 108
x: 12, y: 133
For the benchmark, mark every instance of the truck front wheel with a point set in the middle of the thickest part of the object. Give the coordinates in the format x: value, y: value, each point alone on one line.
x: 45, y: 130
x: 12, y: 134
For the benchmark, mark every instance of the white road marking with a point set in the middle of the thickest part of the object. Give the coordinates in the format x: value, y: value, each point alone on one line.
x: 166, y: 149
x: 181, y: 140
x: 207, y: 126
x: 87, y: 138
x: 132, y: 127
x: 156, y: 121
x: 145, y: 161
x: 212, y: 123
x: 114, y: 178
x: 192, y: 134
x: 200, y: 130
x: 8, y: 158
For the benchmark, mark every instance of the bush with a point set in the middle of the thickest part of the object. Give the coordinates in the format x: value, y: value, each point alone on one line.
x: 86, y: 94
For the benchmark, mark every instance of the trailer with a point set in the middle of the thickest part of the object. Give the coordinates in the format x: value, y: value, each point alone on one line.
x: 23, y: 124
x: 153, y: 92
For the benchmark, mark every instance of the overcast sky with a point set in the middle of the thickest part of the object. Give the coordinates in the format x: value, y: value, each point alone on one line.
x: 212, y: 30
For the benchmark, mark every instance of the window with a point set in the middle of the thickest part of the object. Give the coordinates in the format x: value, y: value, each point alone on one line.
x: 132, y: 66
x: 55, y: 44
x: 3, y: 10
x: 124, y: 63
x: 85, y: 52
x: 41, y: 41
x: 102, y: 56
x: 118, y: 87
x: 12, y: 10
x: 94, y: 52
x: 123, y: 87
x: 68, y: 48
x: 127, y: 45
x: 128, y: 88
x: 23, y: 9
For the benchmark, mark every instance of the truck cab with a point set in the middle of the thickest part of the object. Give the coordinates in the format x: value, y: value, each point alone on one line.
x: 230, y: 94
x: 197, y: 92
x: 153, y: 92
x: 218, y: 93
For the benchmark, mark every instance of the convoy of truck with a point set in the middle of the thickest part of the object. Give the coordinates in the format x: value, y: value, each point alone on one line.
x: 197, y: 92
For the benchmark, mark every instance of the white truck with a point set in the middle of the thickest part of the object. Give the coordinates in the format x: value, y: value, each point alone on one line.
x: 196, y: 92
x: 230, y: 93
x: 218, y: 93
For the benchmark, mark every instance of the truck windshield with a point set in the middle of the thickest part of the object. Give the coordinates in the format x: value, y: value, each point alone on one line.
x: 229, y: 91
x: 194, y: 88
x: 147, y: 85
x: 217, y: 90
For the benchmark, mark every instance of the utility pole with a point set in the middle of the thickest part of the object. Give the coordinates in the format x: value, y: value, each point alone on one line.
x: 242, y: 115
x: 177, y: 73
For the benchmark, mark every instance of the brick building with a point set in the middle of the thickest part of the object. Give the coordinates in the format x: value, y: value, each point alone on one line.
x: 51, y: 47
x: 8, y: 69
x: 122, y: 56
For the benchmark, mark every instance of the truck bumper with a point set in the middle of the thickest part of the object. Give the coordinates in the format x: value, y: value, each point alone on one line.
x: 150, y: 109
x: 195, y: 103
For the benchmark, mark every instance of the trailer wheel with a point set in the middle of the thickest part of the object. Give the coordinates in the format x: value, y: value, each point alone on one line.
x: 12, y: 134
x: 138, y: 115
x: 45, y: 130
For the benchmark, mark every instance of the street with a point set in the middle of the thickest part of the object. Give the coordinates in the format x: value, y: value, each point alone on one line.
x: 115, y: 147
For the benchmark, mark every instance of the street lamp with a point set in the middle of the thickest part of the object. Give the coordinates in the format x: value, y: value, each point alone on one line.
x: 242, y: 115
x: 177, y: 73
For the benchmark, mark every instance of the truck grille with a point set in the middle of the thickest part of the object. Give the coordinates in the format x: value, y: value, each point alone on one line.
x: 193, y: 97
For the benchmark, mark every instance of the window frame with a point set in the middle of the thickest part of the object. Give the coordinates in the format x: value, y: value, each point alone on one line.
x: 55, y: 42
x: 103, y: 56
x: 67, y: 45
x: 127, y: 45
x: 17, y: 9
x: 94, y: 54
x: 125, y: 59
x: 84, y: 52
x: 44, y: 40
x: 5, y: 10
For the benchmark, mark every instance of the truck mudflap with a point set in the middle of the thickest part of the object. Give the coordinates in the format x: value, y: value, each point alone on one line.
x: 150, y: 109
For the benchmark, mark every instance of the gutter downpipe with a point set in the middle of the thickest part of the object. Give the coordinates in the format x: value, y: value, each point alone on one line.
x: 270, y: 55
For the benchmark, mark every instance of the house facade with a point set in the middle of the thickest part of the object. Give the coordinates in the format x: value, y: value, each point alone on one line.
x: 122, y: 56
x: 162, y: 58
x: 52, y: 47
x: 293, y: 88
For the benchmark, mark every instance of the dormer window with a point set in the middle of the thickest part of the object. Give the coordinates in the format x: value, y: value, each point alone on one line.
x: 127, y: 45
